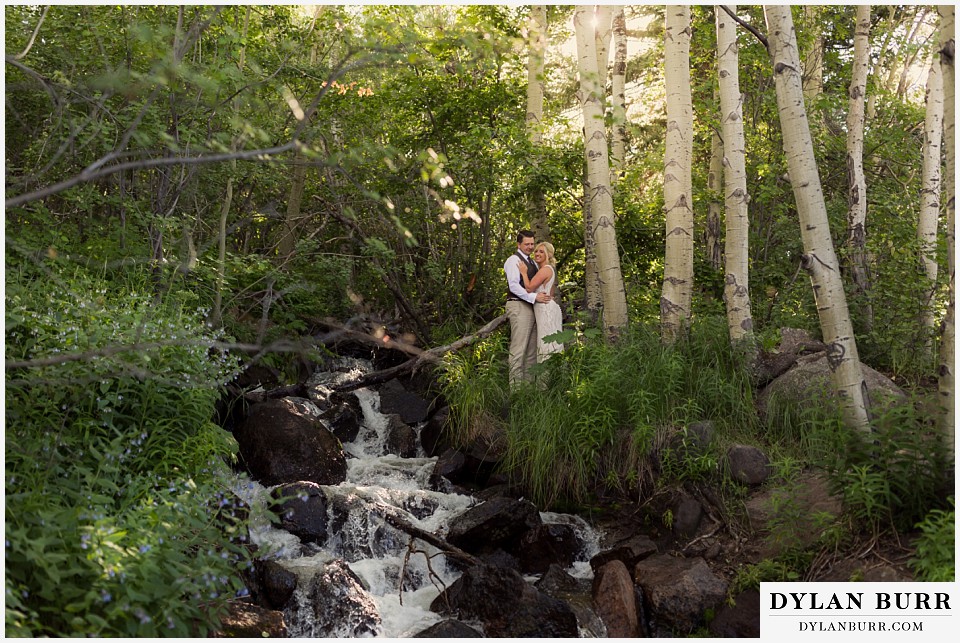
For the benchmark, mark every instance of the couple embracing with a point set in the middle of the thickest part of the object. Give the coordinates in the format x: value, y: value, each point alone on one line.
x: 533, y: 313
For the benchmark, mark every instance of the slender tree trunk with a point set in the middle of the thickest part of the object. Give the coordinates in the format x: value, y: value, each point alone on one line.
x: 618, y: 144
x: 947, y: 348
x: 736, y: 289
x: 298, y: 180
x: 216, y: 315
x: 537, y: 47
x: 813, y: 61
x: 715, y: 209
x: 597, y: 188
x: 856, y: 182
x: 819, y: 258
x: 603, y: 15
x: 930, y: 195
x: 676, y: 299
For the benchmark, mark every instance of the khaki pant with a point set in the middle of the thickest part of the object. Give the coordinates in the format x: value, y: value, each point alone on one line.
x: 523, y: 340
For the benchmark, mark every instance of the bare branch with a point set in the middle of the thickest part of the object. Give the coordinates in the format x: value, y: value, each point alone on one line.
x: 746, y: 26
x: 23, y: 54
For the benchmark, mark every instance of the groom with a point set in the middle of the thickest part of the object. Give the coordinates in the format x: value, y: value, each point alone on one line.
x: 523, y: 325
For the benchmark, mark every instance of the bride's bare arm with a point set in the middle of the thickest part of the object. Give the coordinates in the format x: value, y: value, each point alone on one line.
x: 532, y: 284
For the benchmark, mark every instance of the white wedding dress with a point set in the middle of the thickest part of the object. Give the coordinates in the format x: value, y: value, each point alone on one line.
x: 549, y: 320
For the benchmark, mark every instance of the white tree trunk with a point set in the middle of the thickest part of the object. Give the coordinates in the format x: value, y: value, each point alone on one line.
x: 947, y: 348
x: 537, y: 48
x: 856, y: 182
x: 736, y: 288
x: 618, y: 146
x: 819, y: 259
x: 597, y: 187
x: 604, y: 32
x: 715, y: 209
x: 676, y: 299
x: 930, y: 194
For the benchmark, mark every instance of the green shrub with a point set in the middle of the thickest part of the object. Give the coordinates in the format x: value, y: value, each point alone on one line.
x: 935, y: 559
x: 119, y: 518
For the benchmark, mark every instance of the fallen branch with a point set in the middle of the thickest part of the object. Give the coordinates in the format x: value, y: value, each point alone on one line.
x: 426, y: 536
x: 431, y: 356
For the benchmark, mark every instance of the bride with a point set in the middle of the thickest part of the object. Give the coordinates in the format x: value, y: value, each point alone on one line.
x: 548, y: 315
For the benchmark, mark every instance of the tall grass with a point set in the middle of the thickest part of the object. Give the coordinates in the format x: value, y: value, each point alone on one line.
x: 595, y: 411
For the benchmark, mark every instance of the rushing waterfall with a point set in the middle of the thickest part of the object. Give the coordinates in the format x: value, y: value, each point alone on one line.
x: 369, y: 579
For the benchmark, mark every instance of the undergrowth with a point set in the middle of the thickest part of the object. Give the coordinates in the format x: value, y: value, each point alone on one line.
x: 120, y: 519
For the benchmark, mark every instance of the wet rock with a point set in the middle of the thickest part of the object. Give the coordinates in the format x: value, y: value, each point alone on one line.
x: 556, y: 581
x: 678, y: 590
x: 401, y: 437
x: 686, y: 517
x: 631, y: 550
x: 741, y: 620
x: 395, y: 398
x: 450, y: 466
x: 748, y: 464
x: 302, y: 509
x: 449, y: 629
x: 338, y: 605
x: 548, y: 544
x: 244, y: 620
x: 280, y: 441
x: 498, y: 522
x: 483, y: 592
x: 614, y: 598
x: 433, y: 433
x: 693, y: 440
x: 276, y: 583
x: 343, y: 416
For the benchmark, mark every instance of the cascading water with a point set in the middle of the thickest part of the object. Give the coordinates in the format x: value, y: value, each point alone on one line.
x: 370, y: 579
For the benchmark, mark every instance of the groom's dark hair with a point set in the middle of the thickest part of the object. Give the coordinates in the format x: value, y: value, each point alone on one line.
x: 523, y: 234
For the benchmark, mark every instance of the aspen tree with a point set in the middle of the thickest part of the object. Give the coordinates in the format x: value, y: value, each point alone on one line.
x: 537, y: 48
x: 677, y: 295
x: 947, y: 348
x: 819, y: 258
x: 597, y: 186
x: 736, y: 289
x: 930, y: 193
x: 618, y: 144
x: 856, y: 182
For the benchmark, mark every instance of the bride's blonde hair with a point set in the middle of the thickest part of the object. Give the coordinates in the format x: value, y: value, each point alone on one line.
x: 548, y: 247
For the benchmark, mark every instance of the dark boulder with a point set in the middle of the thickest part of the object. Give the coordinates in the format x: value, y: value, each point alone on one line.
x: 740, y: 620
x: 548, y: 544
x: 433, y: 434
x: 678, y: 591
x: 449, y: 629
x: 302, y: 509
x: 271, y: 584
x: 498, y: 522
x: 338, y: 606
x: 343, y: 415
x: 395, y: 398
x: 280, y: 441
x: 628, y: 549
x: 506, y: 604
x: 401, y: 437
x: 748, y: 464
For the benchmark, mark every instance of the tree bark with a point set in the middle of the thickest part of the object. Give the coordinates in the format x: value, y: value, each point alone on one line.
x: 537, y: 47
x: 715, y: 209
x: 930, y: 196
x: 819, y: 259
x: 677, y: 295
x: 736, y: 289
x: 947, y: 348
x: 856, y: 182
x: 618, y: 144
x: 597, y: 188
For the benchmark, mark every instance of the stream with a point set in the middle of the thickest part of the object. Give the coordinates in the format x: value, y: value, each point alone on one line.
x: 399, y: 576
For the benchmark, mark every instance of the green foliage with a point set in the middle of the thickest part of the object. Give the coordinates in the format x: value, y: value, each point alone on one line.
x: 935, y: 559
x: 119, y: 519
x: 596, y: 411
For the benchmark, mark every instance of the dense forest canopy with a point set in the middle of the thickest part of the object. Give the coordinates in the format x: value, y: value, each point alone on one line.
x: 192, y: 189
